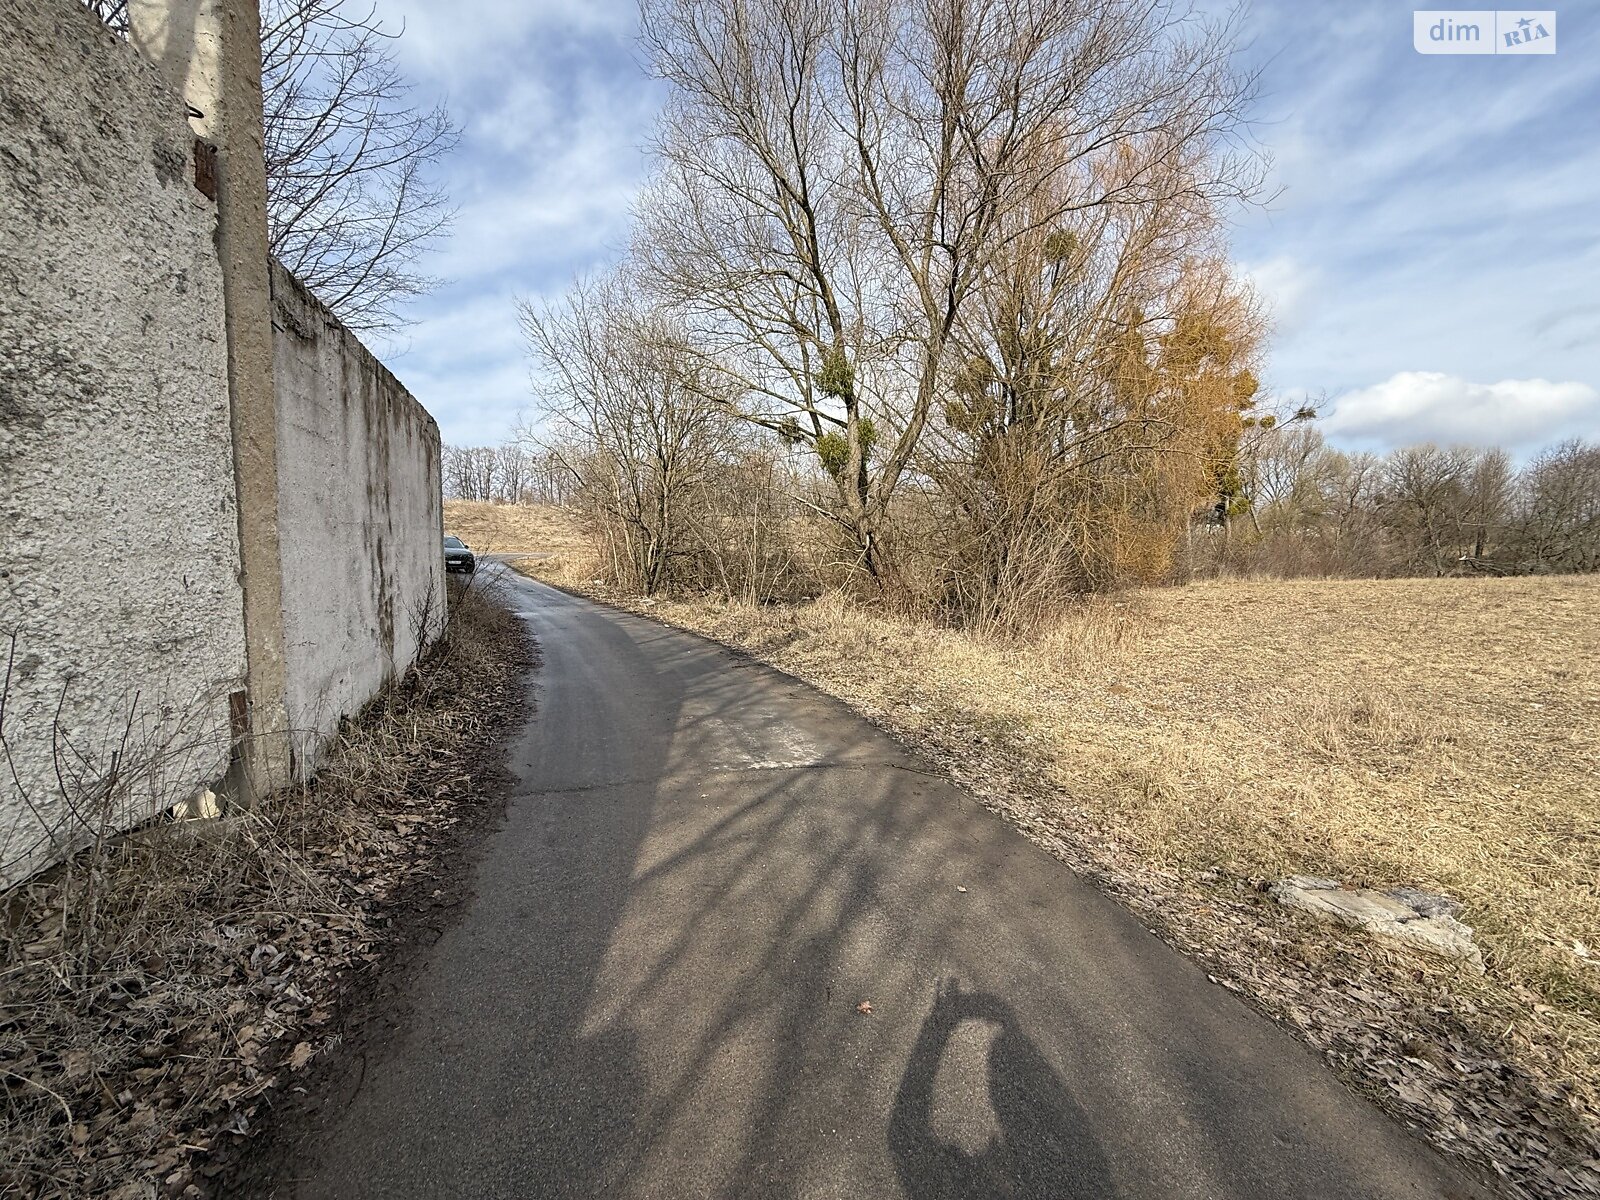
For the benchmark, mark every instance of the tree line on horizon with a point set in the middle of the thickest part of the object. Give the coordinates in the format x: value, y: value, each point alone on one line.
x: 1304, y: 508
x: 507, y: 474
x: 1308, y: 508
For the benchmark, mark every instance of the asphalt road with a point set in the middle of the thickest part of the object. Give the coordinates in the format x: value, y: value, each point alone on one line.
x: 706, y: 868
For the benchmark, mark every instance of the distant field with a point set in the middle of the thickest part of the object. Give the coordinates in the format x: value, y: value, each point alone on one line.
x: 513, y: 528
x: 1443, y: 734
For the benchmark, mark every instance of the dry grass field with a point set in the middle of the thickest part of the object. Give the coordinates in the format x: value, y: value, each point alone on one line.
x: 535, y: 529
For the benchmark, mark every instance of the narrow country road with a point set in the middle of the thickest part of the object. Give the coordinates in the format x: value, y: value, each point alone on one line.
x: 706, y: 868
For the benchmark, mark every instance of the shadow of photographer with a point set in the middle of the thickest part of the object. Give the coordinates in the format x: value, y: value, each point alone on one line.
x: 1038, y: 1140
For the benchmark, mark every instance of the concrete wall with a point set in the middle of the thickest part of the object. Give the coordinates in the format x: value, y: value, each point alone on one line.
x: 128, y: 436
x: 360, y: 517
x: 119, y: 555
x: 210, y: 51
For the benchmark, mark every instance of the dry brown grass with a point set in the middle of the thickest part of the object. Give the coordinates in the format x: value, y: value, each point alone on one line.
x: 534, y: 529
x: 1443, y: 734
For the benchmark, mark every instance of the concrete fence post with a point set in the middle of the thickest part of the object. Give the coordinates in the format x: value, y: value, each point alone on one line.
x: 210, y: 51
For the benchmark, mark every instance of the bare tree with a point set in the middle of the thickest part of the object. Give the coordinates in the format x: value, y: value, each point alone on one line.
x: 644, y: 415
x: 352, y: 204
x: 549, y: 480
x: 1560, y: 525
x: 1289, y: 477
x: 837, y: 179
x: 1357, y: 540
x: 113, y: 12
x: 513, y: 464
x: 472, y: 473
x: 1424, y: 488
x: 1488, y: 493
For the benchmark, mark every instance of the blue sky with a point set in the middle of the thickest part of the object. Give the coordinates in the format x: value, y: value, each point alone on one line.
x: 1431, y: 256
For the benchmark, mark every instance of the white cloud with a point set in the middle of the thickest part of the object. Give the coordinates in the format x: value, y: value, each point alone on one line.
x: 494, y: 37
x: 554, y: 111
x: 1284, y: 283
x: 1430, y: 406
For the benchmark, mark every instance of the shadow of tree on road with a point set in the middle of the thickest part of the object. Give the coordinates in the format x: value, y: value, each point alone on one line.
x: 659, y: 989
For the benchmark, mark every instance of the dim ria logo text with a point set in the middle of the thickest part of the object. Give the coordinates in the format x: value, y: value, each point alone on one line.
x: 1483, y: 31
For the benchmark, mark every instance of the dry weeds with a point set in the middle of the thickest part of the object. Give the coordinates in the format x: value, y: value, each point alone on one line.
x: 1185, y: 745
x: 153, y: 996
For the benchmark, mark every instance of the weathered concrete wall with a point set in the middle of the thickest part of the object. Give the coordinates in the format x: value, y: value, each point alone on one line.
x: 125, y: 594
x: 210, y: 51
x: 119, y: 556
x: 360, y: 517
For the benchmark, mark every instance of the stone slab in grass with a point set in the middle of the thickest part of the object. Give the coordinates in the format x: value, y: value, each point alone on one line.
x: 1418, y: 918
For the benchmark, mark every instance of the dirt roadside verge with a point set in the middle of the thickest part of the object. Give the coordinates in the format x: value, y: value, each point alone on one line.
x: 169, y: 1010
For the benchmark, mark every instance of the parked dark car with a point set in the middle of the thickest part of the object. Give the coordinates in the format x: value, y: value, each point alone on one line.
x: 458, y: 555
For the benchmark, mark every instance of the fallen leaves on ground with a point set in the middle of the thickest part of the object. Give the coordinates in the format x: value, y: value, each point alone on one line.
x: 153, y: 996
